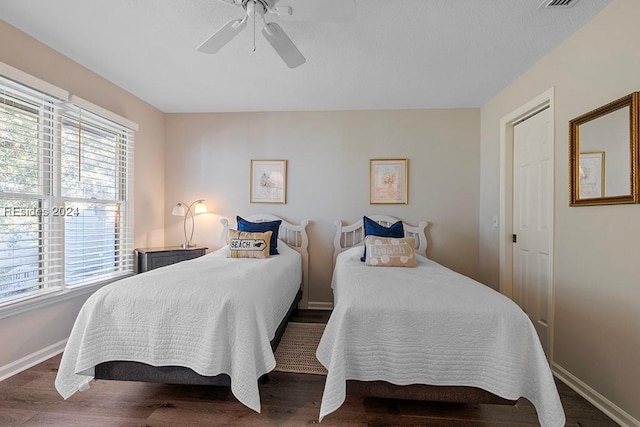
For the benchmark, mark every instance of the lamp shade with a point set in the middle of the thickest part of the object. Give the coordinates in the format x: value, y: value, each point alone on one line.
x: 200, y: 207
x: 179, y: 210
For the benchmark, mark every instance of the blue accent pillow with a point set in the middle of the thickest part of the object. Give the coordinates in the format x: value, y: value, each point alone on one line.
x: 261, y: 227
x: 372, y: 228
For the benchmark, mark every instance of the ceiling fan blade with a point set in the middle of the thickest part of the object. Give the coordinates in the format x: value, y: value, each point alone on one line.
x: 282, y: 44
x: 316, y: 10
x: 223, y: 36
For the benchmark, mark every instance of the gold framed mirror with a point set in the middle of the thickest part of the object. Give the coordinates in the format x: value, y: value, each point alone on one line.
x: 603, y: 154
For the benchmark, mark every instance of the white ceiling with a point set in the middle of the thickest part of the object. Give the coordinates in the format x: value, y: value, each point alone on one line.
x: 396, y: 54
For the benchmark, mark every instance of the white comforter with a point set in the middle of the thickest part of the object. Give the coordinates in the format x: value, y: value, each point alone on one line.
x: 430, y: 325
x: 212, y: 314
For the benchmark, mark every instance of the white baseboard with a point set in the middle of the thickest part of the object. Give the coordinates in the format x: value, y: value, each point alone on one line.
x: 316, y: 305
x: 31, y: 360
x: 596, y: 399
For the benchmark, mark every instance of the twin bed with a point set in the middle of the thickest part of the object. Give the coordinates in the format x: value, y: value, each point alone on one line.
x: 419, y: 333
x: 211, y: 320
x: 426, y: 333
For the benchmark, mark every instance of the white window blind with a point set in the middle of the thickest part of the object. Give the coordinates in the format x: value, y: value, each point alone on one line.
x: 97, y: 172
x: 66, y: 176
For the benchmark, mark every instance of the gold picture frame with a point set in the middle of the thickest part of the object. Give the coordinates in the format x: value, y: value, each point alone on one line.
x: 388, y: 181
x: 268, y: 181
x: 613, y: 129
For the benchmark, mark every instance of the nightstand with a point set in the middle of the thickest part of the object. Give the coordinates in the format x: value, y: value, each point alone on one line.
x: 151, y: 258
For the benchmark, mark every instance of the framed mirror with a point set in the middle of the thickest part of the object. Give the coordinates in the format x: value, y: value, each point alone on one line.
x: 603, y: 154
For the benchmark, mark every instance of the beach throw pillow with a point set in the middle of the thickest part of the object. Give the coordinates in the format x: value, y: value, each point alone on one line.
x: 390, y: 251
x: 243, y: 244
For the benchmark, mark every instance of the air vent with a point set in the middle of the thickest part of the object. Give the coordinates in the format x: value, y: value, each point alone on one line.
x: 558, y: 4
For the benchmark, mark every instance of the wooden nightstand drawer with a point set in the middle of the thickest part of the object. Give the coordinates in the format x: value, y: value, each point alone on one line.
x: 152, y: 258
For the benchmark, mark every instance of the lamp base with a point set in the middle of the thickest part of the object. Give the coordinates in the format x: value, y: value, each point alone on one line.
x: 187, y: 245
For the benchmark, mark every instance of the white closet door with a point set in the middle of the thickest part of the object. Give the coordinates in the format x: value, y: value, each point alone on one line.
x: 532, y: 220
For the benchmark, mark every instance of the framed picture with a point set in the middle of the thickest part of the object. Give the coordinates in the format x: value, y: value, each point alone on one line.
x: 268, y: 181
x: 388, y: 181
x: 591, y: 174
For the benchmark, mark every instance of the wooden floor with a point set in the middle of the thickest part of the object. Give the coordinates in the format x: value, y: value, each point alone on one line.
x: 30, y: 399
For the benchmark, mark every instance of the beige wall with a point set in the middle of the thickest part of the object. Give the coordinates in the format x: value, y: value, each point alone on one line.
x: 597, y: 249
x: 208, y: 156
x: 48, y: 326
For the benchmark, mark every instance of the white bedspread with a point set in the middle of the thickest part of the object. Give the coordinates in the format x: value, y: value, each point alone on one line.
x: 212, y: 314
x: 430, y: 325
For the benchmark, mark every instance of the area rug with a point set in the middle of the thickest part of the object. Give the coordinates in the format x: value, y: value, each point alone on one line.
x: 297, y: 350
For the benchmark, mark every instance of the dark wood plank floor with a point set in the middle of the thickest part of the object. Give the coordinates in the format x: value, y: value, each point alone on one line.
x: 30, y: 399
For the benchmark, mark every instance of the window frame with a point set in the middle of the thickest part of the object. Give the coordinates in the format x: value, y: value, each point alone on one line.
x: 50, y: 174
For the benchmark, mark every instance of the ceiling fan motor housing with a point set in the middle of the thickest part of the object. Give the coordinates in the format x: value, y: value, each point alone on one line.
x: 259, y: 6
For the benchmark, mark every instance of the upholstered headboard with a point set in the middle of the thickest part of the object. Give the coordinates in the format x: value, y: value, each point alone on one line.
x: 350, y: 235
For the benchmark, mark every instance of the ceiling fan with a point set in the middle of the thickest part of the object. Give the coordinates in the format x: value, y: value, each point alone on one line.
x: 295, y: 10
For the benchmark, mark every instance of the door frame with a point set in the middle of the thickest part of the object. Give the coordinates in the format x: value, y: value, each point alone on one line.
x: 507, y: 123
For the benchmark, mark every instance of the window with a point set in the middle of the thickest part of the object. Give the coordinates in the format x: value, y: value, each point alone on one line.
x: 66, y: 176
